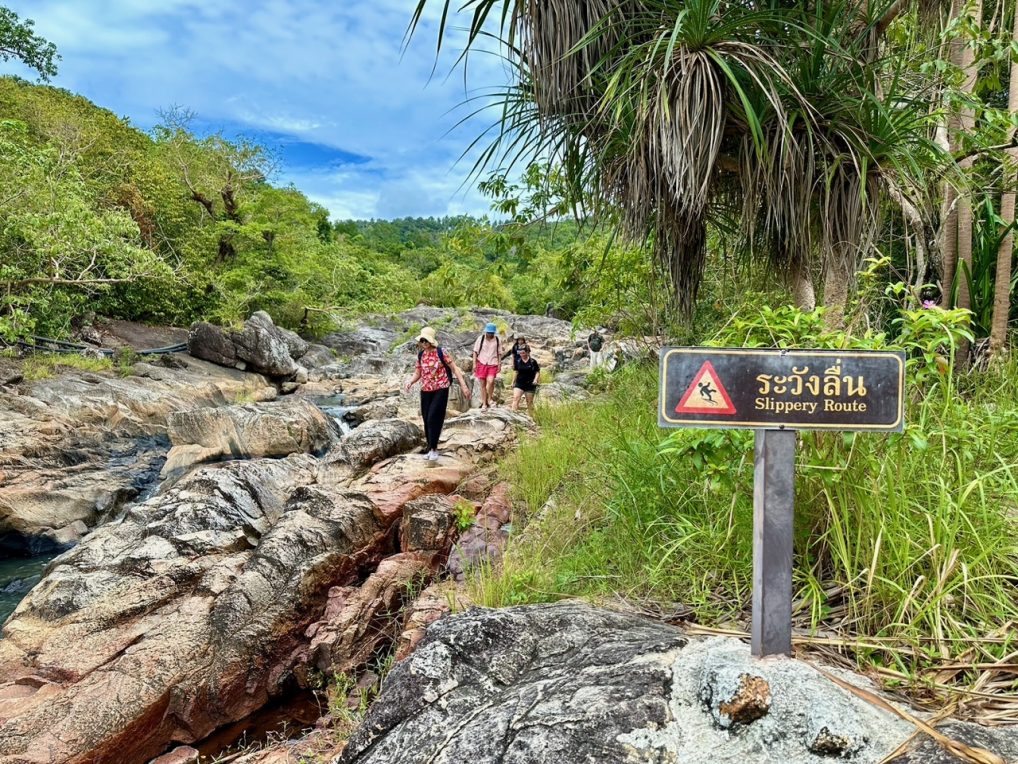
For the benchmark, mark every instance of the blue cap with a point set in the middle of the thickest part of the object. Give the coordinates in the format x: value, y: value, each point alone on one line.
x: 491, y: 328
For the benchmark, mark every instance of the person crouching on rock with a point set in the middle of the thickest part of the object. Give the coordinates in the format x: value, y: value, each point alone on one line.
x: 435, y: 370
x: 487, y: 359
x: 528, y: 374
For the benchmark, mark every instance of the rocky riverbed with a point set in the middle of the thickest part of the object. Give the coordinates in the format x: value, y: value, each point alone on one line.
x: 242, y: 525
x: 224, y: 538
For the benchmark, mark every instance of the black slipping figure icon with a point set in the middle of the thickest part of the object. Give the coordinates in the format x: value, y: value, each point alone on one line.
x: 707, y: 392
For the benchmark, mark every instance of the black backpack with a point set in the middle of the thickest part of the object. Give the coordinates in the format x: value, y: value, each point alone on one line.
x: 441, y: 357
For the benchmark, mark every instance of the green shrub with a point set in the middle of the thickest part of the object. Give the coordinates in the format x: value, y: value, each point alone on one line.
x: 911, y: 536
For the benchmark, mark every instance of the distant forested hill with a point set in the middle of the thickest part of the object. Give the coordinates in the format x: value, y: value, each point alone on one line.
x: 100, y: 218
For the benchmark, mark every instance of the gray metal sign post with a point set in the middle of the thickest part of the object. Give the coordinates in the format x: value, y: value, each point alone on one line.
x: 776, y: 393
x: 773, y: 515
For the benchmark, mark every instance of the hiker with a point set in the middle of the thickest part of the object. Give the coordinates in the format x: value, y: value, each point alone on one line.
x: 514, y: 351
x: 595, y: 343
x: 487, y: 359
x: 528, y: 374
x: 435, y: 370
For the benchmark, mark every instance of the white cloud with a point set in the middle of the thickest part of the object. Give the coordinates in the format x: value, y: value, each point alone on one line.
x: 331, y: 73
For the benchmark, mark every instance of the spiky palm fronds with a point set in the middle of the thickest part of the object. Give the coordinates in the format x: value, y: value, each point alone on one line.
x: 666, y: 112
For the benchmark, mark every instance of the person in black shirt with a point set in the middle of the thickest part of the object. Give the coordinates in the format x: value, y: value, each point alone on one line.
x: 514, y: 351
x: 528, y: 374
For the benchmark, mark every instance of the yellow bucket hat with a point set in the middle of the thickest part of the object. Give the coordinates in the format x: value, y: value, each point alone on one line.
x: 428, y: 335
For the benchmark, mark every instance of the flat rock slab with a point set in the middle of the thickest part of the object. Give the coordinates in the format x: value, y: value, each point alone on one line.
x: 572, y: 683
x: 248, y: 431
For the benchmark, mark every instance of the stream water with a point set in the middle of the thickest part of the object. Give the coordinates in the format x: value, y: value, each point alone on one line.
x: 335, y: 408
x: 17, y: 577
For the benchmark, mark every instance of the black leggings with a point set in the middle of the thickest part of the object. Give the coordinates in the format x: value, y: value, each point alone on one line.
x: 433, y: 405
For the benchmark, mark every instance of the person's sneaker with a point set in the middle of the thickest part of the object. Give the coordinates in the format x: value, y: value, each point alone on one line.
x: 433, y: 456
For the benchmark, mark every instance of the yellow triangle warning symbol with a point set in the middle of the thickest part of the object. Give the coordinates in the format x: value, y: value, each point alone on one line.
x: 705, y: 394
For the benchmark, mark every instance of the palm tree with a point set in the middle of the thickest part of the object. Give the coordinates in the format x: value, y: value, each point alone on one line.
x: 678, y: 116
x: 1005, y: 253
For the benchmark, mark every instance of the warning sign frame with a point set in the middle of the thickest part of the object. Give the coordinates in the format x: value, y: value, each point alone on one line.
x: 879, y: 409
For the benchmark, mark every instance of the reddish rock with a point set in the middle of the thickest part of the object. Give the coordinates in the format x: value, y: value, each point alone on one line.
x: 392, y: 484
x: 498, y: 505
x: 475, y: 487
x: 434, y: 602
x: 428, y: 524
x: 167, y: 625
x: 365, y: 618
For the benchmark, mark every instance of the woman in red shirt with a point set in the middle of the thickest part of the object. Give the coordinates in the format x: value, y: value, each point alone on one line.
x: 435, y: 369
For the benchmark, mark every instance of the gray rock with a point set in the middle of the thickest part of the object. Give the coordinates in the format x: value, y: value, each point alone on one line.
x: 210, y: 343
x: 262, y: 345
x: 77, y: 447
x: 247, y: 431
x: 258, y: 345
x: 329, y: 372
x: 536, y: 684
x: 374, y: 441
x: 316, y: 356
x: 1002, y: 741
x: 382, y: 408
x: 428, y: 524
x: 297, y: 346
x: 834, y: 731
x: 183, y: 617
x: 571, y: 683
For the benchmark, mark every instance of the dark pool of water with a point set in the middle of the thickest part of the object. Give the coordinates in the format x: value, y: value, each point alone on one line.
x: 17, y: 577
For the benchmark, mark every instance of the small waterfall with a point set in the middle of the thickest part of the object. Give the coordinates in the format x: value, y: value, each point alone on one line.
x: 334, y: 407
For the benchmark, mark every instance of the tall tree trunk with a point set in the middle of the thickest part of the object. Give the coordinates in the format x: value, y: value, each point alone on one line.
x: 837, y: 278
x: 947, y: 138
x: 967, y: 123
x: 1002, y: 284
x: 802, y: 289
x: 948, y: 246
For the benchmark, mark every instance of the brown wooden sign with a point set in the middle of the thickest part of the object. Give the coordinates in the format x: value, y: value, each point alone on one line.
x: 782, y: 389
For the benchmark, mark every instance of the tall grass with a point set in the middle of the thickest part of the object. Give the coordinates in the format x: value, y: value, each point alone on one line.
x: 911, y: 537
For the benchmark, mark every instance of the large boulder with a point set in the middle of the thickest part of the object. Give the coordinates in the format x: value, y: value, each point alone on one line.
x: 572, y: 683
x: 374, y: 441
x: 249, y: 431
x: 187, y: 615
x: 259, y: 345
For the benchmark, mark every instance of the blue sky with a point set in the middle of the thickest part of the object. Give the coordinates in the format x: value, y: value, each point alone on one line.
x: 359, y: 127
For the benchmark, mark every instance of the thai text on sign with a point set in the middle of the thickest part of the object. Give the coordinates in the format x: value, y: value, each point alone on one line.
x: 794, y: 389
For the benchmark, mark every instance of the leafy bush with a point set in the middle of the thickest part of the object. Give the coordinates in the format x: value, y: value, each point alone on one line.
x: 900, y: 536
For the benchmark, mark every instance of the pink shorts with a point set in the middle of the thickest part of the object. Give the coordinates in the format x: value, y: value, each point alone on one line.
x: 486, y: 371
